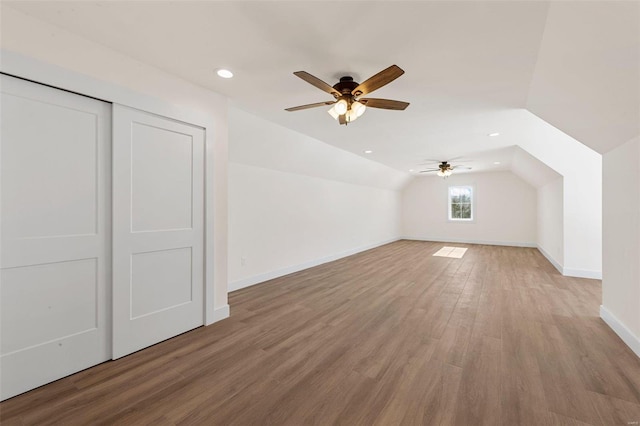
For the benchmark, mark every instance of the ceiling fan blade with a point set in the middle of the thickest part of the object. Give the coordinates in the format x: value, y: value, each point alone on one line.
x: 384, y: 103
x: 342, y: 119
x: 317, y: 104
x: 428, y: 170
x: 460, y: 168
x: 384, y: 77
x: 450, y: 160
x: 315, y: 81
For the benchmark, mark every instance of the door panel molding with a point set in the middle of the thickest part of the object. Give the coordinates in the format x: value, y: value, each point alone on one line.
x: 158, y: 291
x: 55, y: 261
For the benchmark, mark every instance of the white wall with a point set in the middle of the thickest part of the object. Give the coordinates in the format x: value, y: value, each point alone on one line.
x: 27, y: 43
x: 280, y: 221
x: 295, y: 202
x: 550, y: 237
x: 505, y: 210
x: 621, y: 242
x: 581, y: 168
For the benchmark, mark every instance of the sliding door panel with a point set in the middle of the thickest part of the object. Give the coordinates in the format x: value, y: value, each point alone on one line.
x: 158, y: 208
x: 55, y: 313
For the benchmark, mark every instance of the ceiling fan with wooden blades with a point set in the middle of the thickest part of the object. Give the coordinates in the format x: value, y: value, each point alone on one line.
x: 444, y: 169
x: 348, y: 104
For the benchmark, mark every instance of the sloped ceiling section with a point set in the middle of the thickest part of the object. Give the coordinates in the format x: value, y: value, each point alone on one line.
x: 532, y: 170
x: 261, y: 143
x: 587, y: 77
x: 512, y: 158
x: 469, y: 65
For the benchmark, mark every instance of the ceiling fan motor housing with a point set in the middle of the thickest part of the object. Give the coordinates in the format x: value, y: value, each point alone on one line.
x: 345, y: 85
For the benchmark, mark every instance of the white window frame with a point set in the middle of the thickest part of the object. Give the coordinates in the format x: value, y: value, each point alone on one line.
x: 473, y: 204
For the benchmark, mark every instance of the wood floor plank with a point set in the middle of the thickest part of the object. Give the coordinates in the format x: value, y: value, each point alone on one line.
x: 597, y: 371
x: 414, y: 389
x: 560, y: 420
x: 478, y: 399
x: 560, y: 370
x: 523, y: 398
x: 452, y: 345
x: 439, y: 406
x: 388, y: 336
x: 614, y: 411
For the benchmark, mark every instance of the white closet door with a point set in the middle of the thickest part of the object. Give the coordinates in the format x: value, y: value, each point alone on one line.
x: 158, y: 221
x: 55, y: 313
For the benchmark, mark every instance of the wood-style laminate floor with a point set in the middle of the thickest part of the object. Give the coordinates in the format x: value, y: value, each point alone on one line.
x: 386, y: 337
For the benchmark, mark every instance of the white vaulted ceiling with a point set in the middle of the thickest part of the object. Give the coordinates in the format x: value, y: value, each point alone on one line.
x: 468, y: 66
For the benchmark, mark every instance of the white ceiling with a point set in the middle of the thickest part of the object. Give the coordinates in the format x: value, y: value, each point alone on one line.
x: 468, y: 64
x: 587, y: 77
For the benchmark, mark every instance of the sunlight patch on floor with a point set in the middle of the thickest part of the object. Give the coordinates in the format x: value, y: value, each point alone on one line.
x: 455, y: 252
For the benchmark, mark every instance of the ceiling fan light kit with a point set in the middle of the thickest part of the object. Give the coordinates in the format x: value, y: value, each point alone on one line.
x: 348, y: 104
x: 350, y: 112
x: 444, y: 169
x: 341, y: 107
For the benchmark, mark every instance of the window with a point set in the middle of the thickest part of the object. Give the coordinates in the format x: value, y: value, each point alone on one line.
x: 461, y: 203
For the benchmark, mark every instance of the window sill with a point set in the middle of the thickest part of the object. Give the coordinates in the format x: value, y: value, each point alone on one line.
x: 461, y: 220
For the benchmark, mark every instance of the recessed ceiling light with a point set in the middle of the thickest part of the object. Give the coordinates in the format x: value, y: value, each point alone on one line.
x: 410, y: 170
x: 368, y: 151
x: 496, y: 162
x: 224, y: 73
x: 494, y: 134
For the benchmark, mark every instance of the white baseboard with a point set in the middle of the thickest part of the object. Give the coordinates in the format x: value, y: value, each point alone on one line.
x: 621, y: 330
x: 582, y: 273
x: 571, y: 272
x: 551, y: 260
x: 257, y: 279
x: 467, y: 241
x: 219, y: 314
